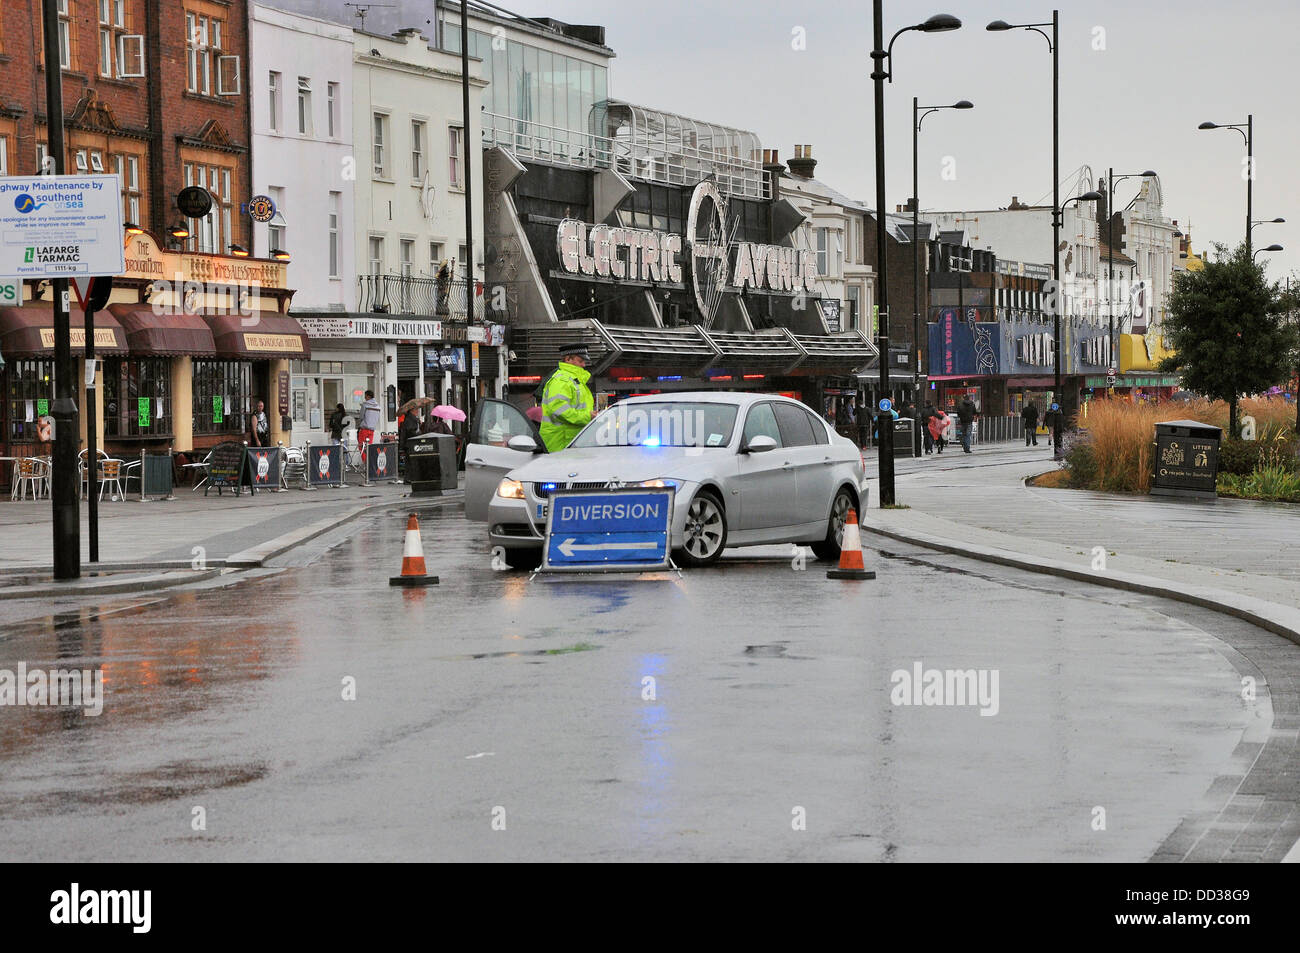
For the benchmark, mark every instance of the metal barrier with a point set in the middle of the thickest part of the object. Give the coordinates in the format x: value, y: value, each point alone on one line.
x: 997, y: 430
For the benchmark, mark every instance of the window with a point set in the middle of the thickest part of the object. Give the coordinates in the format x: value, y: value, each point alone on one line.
x: 435, y: 257
x: 818, y: 427
x: 82, y: 164
x: 852, y: 293
x: 120, y: 55
x: 407, y: 248
x: 30, y: 383
x: 304, y: 106
x: 761, y: 422
x: 376, y: 255
x: 222, y: 391
x: 127, y: 169
x: 332, y: 109
x: 417, y: 150
x: 213, y: 232
x: 334, y: 234
x: 380, y: 141
x: 455, y: 139
x: 136, y: 397
x: 461, y: 260
x: 822, y: 262
x: 43, y: 164
x: 796, y: 429
x: 209, y: 72
x: 65, y: 36
x: 277, y: 229
x: 273, y: 88
x: 4, y: 155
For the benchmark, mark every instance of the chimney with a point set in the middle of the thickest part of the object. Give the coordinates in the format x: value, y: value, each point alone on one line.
x: 772, y: 169
x: 803, y: 163
x: 1016, y: 203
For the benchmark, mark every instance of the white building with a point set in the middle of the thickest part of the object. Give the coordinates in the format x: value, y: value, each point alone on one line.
x: 1150, y: 239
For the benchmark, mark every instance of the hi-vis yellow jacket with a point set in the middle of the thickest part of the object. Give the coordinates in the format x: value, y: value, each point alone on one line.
x: 567, y: 406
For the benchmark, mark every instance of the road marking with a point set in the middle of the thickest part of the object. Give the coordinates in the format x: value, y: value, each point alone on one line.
x: 571, y: 546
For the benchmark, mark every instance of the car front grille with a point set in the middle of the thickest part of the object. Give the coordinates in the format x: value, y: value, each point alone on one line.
x: 544, y: 490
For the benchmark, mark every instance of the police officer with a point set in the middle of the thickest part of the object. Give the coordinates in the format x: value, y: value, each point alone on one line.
x: 567, y: 403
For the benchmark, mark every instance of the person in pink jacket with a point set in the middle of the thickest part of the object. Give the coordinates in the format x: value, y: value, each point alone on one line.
x: 939, y: 425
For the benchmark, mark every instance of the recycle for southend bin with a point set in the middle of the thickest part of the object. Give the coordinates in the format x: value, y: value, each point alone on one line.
x: 1185, y: 460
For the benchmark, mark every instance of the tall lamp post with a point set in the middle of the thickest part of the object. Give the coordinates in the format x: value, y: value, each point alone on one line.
x: 883, y: 69
x: 1273, y: 247
x: 1268, y: 221
x: 918, y: 117
x: 1247, y: 130
x: 1111, y: 179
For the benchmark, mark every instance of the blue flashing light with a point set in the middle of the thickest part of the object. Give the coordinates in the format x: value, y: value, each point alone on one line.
x: 548, y: 486
x: 676, y: 377
x: 650, y: 442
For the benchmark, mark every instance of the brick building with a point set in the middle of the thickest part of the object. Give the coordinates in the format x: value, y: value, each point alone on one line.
x: 152, y: 90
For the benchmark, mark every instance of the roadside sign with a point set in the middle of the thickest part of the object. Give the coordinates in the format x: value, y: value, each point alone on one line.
x: 616, y: 530
x: 60, y: 226
x: 886, y: 403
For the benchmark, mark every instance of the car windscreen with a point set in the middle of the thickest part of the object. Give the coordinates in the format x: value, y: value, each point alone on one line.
x: 661, y: 424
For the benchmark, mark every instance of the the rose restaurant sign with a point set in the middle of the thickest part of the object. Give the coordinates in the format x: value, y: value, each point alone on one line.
x: 715, y: 263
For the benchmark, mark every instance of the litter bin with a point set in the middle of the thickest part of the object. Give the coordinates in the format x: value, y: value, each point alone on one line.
x: 431, y: 462
x: 1186, y: 459
x: 903, y: 437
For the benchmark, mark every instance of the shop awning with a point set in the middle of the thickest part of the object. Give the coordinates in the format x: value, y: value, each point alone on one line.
x: 163, y: 335
x: 258, y: 337
x: 772, y: 351
x: 29, y: 332
x: 841, y: 353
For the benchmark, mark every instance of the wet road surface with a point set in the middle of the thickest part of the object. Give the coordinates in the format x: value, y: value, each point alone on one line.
x: 742, y: 712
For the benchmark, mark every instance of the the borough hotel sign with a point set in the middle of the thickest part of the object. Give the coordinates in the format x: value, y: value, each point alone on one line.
x: 716, y: 265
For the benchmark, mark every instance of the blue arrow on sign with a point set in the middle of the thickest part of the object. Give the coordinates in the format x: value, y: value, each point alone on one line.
x: 886, y: 403
x: 609, y: 529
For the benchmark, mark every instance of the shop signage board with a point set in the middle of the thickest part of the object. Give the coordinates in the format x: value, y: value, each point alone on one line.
x: 142, y: 411
x: 60, y: 226
x: 619, y: 530
x: 393, y: 328
x: 325, y: 466
x: 263, y: 465
x: 225, y: 467
x: 381, y: 462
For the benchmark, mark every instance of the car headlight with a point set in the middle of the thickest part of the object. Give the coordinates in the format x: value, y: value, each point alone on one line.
x: 510, y: 490
x: 661, y: 483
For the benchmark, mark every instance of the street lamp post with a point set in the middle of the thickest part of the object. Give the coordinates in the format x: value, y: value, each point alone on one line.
x: 883, y: 67
x: 1110, y: 250
x: 1247, y: 130
x: 916, y: 256
x: 1273, y: 247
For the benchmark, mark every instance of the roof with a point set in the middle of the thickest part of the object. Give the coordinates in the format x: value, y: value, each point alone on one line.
x: 1118, y: 257
x: 824, y: 190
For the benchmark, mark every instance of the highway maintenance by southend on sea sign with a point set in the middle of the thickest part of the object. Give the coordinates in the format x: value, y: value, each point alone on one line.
x: 609, y: 530
x: 60, y: 226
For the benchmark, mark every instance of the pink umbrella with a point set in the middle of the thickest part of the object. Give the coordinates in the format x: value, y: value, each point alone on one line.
x: 535, y: 414
x: 448, y: 412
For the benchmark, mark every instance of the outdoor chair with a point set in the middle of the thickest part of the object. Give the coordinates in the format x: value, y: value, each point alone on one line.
x: 110, y: 474
x: 198, y: 468
x: 30, y: 473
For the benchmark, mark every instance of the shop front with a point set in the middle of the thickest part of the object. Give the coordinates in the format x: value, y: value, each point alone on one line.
x: 186, y: 347
x: 1140, y: 378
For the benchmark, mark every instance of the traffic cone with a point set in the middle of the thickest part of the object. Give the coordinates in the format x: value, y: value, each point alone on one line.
x: 851, y: 553
x: 413, y: 573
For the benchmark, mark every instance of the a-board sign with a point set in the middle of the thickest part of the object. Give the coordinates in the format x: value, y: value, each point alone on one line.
x: 156, y: 475
x: 609, y: 530
x: 263, y: 465
x: 325, y: 465
x: 381, y: 462
x: 225, y: 466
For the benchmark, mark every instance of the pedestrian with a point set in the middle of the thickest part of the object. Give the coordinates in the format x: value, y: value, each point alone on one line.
x: 938, y: 429
x: 1029, y: 417
x: 369, y: 420
x: 408, y: 428
x: 1053, y: 419
x: 966, y: 413
x: 864, y: 424
x: 434, y: 424
x: 336, y: 424
x: 928, y: 415
x: 259, y: 428
x: 567, y: 402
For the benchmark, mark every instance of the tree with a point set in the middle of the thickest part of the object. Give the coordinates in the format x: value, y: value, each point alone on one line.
x: 1228, y: 329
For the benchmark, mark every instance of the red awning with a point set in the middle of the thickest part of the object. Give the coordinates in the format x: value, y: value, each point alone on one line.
x: 258, y: 337
x: 29, y: 332
x: 158, y: 335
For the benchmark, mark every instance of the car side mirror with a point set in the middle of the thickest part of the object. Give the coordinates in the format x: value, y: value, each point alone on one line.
x: 523, y: 443
x: 760, y: 444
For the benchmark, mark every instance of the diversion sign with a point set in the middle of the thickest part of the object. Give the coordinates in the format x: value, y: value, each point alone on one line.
x: 608, y: 530
x: 60, y: 226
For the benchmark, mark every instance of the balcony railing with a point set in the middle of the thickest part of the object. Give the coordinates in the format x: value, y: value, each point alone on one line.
x: 400, y: 294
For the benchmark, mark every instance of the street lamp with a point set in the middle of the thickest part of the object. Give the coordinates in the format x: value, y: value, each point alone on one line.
x: 1054, y: 46
x: 1267, y: 221
x: 883, y: 69
x: 1247, y: 130
x: 1092, y: 196
x: 916, y: 256
x: 1111, y: 179
x: 1273, y: 247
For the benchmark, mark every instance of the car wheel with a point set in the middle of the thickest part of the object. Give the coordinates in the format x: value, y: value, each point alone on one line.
x: 829, y: 548
x: 523, y: 559
x: 705, y: 536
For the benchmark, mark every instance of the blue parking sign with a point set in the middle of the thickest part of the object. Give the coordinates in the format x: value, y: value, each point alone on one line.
x: 608, y: 530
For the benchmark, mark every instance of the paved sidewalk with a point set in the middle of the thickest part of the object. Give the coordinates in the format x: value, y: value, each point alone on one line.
x: 230, y: 530
x: 1250, y: 548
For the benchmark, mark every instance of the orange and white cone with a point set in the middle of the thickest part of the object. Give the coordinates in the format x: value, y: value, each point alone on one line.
x: 851, y: 553
x: 413, y: 572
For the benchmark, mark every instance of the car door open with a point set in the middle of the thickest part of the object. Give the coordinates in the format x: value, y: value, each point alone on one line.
x: 488, y: 456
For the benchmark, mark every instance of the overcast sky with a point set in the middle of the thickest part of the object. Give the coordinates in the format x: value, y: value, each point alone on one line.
x: 1135, y: 104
